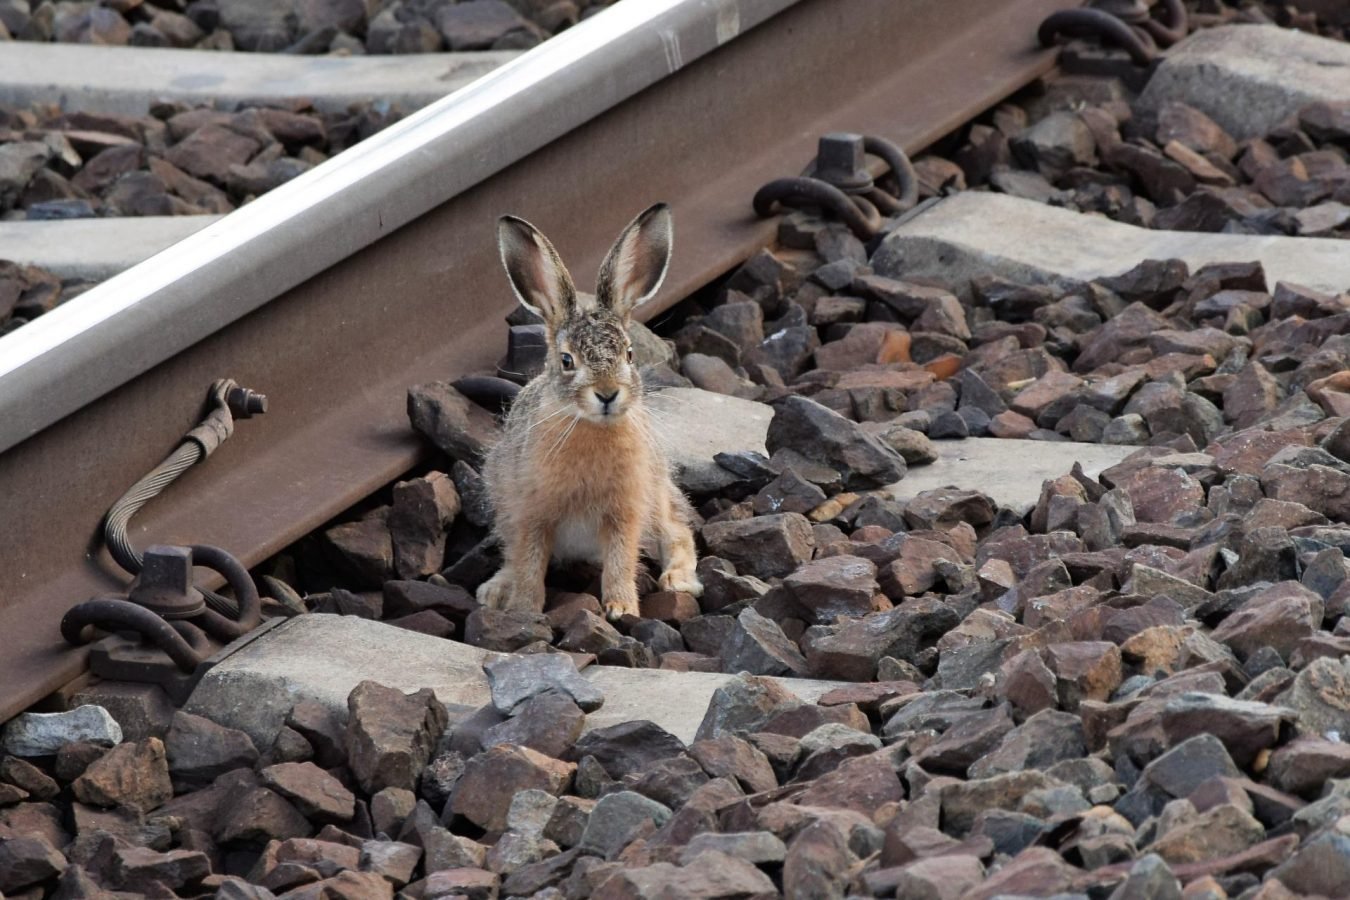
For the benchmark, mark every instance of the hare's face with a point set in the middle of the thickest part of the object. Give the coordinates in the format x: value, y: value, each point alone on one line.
x: 590, y: 361
x: 593, y: 359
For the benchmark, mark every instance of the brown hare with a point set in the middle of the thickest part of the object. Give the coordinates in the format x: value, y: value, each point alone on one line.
x: 578, y: 474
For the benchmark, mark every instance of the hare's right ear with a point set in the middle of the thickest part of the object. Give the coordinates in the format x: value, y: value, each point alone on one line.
x: 537, y: 274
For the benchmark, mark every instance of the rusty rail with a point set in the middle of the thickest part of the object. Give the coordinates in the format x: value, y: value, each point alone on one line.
x: 348, y: 305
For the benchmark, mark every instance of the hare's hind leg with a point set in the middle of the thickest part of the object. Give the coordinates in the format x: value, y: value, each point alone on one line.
x: 679, y: 557
x: 519, y: 584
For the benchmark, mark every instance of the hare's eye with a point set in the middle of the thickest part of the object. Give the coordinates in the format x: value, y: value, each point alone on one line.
x: 567, y: 362
x: 630, y: 354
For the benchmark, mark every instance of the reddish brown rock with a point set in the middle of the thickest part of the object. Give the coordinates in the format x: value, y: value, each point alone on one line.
x: 835, y: 586
x: 1035, y: 872
x: 483, y: 793
x: 315, y: 792
x: 1279, y: 617
x: 259, y: 816
x: 391, y: 735
x: 862, y: 784
x: 1084, y: 670
x: 134, y: 775
x: 1304, y: 766
x: 1162, y: 495
x: 671, y: 607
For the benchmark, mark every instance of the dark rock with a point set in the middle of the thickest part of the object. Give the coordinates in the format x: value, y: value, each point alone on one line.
x: 451, y: 421
x: 1320, y: 697
x: 860, y: 784
x: 321, y: 728
x: 943, y: 509
x: 140, y: 868
x: 199, y: 750
x: 1279, y: 616
x: 28, y: 777
x: 1182, y: 769
x: 851, y: 649
x: 478, y: 24
x: 366, y: 547
x: 789, y: 492
x: 825, y: 437
x: 1044, y: 739
x: 587, y: 632
x: 1245, y: 728
x: 1319, y: 867
x: 818, y: 862
x: 506, y: 630
x: 833, y: 587
x: 744, y: 705
x: 258, y: 816
x: 627, y: 748
x: 785, y: 352
x: 422, y: 510
x: 28, y: 861
x: 765, y: 546
x: 758, y: 645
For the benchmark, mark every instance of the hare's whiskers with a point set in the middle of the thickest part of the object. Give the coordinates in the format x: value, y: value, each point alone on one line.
x: 559, y: 410
x: 562, y: 439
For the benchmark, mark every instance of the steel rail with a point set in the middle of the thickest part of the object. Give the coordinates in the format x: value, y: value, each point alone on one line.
x: 315, y: 295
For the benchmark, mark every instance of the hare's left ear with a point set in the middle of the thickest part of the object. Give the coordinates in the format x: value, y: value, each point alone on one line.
x: 637, y: 263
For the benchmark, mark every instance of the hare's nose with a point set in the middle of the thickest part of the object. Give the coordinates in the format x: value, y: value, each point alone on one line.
x: 606, y: 399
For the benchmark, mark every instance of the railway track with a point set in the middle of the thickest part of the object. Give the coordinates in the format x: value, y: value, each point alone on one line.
x: 1022, y: 551
x: 392, y: 233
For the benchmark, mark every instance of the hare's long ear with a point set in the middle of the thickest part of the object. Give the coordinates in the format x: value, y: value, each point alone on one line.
x: 637, y: 263
x: 537, y: 274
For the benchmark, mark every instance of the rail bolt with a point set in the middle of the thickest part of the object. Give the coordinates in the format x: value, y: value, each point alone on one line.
x: 165, y: 583
x: 841, y: 161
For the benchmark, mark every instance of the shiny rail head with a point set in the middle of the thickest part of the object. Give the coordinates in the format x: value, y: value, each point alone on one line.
x: 79, y: 351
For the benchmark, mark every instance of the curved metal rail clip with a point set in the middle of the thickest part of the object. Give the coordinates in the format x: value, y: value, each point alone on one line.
x: 838, y: 183
x: 177, y: 627
x: 1129, y: 25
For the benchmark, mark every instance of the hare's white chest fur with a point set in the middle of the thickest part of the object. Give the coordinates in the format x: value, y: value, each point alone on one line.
x: 577, y: 538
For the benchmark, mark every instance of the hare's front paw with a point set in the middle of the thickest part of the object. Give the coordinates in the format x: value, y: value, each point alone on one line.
x: 680, y: 580
x: 619, y: 606
x: 495, y: 593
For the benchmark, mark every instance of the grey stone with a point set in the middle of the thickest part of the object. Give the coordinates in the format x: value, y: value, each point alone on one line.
x: 42, y: 734
x: 1010, y: 472
x: 758, y: 847
x: 515, y: 679
x: 617, y: 819
x: 1320, y: 698
x: 973, y: 233
x: 758, y: 645
x: 1249, y: 78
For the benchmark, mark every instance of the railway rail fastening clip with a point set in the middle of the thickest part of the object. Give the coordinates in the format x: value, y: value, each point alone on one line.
x: 1129, y: 25
x: 838, y: 183
x: 165, y: 630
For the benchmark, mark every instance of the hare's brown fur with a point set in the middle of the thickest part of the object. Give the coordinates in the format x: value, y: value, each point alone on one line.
x: 578, y: 473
